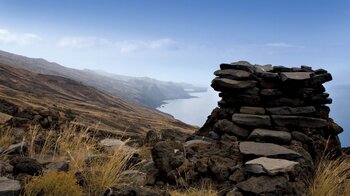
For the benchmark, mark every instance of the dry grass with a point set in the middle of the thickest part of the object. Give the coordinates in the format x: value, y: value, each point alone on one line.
x: 6, y: 138
x: 105, y: 174
x: 77, y: 146
x: 53, y: 183
x: 332, y: 178
x: 207, y: 191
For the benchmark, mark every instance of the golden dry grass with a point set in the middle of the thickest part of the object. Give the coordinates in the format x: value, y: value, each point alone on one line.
x: 76, y: 146
x: 207, y: 191
x: 332, y: 178
x: 4, y: 117
x: 6, y: 138
x: 53, y: 183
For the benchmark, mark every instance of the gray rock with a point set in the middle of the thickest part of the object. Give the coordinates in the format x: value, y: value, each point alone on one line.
x: 270, y: 166
x: 263, y: 185
x: 26, y: 165
x: 252, y: 110
x: 255, y: 149
x: 239, y: 65
x: 273, y: 136
x: 252, y: 120
x: 228, y: 127
x: 59, y: 166
x: 109, y: 144
x: 319, y: 79
x: 234, y: 74
x: 291, y: 110
x: 168, y: 155
x: 271, y: 92
x: 9, y: 187
x: 16, y: 149
x: 298, y: 121
x: 225, y: 83
x: 197, y: 142
x: 295, y: 76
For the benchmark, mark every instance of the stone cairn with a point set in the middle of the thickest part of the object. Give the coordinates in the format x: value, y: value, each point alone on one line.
x: 266, y: 137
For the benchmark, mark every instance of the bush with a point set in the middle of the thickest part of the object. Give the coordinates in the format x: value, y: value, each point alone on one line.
x: 53, y: 183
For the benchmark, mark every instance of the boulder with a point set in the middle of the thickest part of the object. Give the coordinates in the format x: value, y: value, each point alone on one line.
x: 168, y: 155
x: 264, y: 165
x: 273, y: 136
x: 225, y: 83
x: 26, y: 165
x: 252, y: 120
x: 251, y: 110
x: 284, y: 110
x: 151, y: 138
x: 9, y: 187
x: 255, y: 149
x: 263, y: 185
x: 298, y: 121
x: 8, y: 107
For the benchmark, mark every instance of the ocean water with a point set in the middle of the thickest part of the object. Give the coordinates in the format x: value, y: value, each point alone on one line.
x: 195, y: 110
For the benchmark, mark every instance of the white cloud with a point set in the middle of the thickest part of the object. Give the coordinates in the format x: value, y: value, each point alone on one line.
x: 281, y: 45
x: 82, y: 42
x: 22, y: 39
x: 129, y: 46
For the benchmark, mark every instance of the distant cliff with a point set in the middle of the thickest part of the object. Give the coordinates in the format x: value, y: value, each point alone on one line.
x: 141, y: 90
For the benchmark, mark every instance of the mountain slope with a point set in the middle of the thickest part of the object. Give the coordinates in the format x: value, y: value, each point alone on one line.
x: 28, y: 89
x: 144, y: 91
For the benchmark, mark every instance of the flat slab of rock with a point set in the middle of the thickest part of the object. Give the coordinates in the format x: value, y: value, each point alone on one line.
x: 252, y: 120
x: 255, y: 149
x: 273, y: 136
x: 251, y: 110
x: 197, y: 142
x: 269, y: 166
x: 298, y: 121
x: 295, y: 76
x: 239, y: 65
x: 263, y: 184
x: 9, y: 187
x: 291, y: 110
x: 234, y: 74
x: 227, y: 127
x: 219, y: 83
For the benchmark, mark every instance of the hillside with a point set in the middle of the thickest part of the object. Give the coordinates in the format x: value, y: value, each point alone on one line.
x: 145, y: 91
x: 28, y: 89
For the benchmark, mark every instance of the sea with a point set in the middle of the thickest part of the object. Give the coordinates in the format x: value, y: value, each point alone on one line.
x: 195, y: 110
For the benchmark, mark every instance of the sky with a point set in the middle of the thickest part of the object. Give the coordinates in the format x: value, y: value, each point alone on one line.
x: 179, y: 40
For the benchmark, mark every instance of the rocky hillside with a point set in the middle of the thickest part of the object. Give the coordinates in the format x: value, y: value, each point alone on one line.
x: 144, y: 91
x: 33, y: 92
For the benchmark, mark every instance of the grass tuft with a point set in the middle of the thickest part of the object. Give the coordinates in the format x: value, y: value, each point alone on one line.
x: 332, y: 178
x: 53, y: 183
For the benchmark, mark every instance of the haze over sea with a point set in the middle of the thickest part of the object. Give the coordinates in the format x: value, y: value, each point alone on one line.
x: 195, y: 110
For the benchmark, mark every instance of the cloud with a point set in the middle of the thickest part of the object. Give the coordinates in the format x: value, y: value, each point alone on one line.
x: 22, y: 39
x: 281, y: 45
x: 129, y: 46
x: 82, y: 42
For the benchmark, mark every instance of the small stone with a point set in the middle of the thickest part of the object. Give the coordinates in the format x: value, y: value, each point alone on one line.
x: 273, y: 136
x: 252, y: 120
x: 255, y: 149
x: 298, y: 121
x: 252, y: 110
x: 237, y: 176
x: 270, y: 166
x: 168, y: 155
x: 9, y: 187
x: 295, y: 76
x: 263, y: 185
x: 59, y: 166
x: 228, y: 127
x: 225, y: 83
x: 291, y: 110
x: 196, y: 142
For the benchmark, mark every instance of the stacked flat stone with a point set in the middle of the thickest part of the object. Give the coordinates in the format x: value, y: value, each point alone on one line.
x: 280, y: 119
